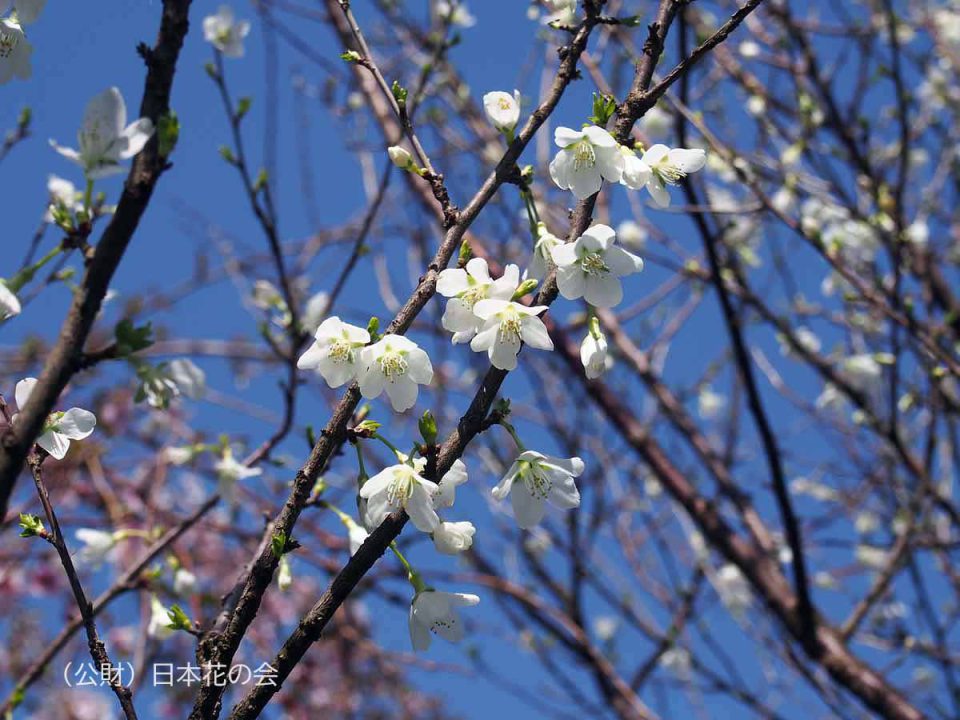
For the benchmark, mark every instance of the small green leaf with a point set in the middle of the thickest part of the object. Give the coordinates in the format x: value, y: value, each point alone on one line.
x: 131, y: 339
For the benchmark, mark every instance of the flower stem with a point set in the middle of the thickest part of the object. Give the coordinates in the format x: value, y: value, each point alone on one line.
x: 513, y: 433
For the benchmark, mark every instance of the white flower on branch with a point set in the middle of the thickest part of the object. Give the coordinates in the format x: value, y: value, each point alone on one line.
x: 27, y: 10
x: 535, y: 478
x: 229, y: 471
x: 465, y: 288
x: 733, y: 589
x: 456, y: 13
x: 560, y: 12
x: 593, y: 354
x: 542, y: 260
x: 335, y: 352
x: 63, y: 194
x: 184, y: 582
x: 447, y: 487
x: 433, y: 611
x: 9, y: 303
x: 452, y: 538
x: 105, y: 138
x: 505, y: 325
x: 591, y: 267
x: 503, y: 110
x: 225, y: 33
x: 401, y: 486
x: 60, y: 427
x: 397, y: 365
x: 159, y: 626
x: 587, y: 157
x: 668, y: 167
x: 97, y: 546
x: 284, y: 574
x: 15, y: 52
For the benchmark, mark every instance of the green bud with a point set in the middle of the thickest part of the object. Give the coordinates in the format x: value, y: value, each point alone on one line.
x: 399, y: 94
x: 243, y: 106
x: 168, y: 133
x: 350, y: 56
x: 179, y: 619
x: 24, y: 118
x: 465, y: 253
x: 428, y: 427
x: 211, y: 70
x: 526, y: 287
x: 373, y: 326
x: 227, y: 154
x: 603, y: 108
x: 367, y: 427
x: 32, y: 525
x: 261, y: 182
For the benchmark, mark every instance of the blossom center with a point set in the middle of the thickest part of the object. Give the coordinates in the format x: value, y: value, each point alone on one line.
x: 535, y: 480
x: 341, y: 351
x: 592, y: 264
x: 471, y: 296
x: 510, y: 323
x: 504, y: 104
x: 393, y: 364
x: 584, y: 156
x: 400, y: 489
x: 669, y: 172
x: 8, y: 43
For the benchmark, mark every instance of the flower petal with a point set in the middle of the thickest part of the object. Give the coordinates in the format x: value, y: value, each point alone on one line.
x: 76, y: 423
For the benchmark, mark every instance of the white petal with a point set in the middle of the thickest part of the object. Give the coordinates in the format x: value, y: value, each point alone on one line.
x: 571, y: 282
x: 76, y: 423
x: 535, y: 334
x: 564, y: 136
x: 602, y: 291
x: 486, y: 309
x: 527, y: 509
x: 420, y: 509
x: 452, y: 281
x: 621, y: 262
x: 55, y: 444
x: 402, y: 393
x: 23, y: 391
x: 420, y: 370
x: 136, y: 134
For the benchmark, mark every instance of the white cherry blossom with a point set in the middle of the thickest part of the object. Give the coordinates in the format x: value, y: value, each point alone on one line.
x: 447, y: 487
x: 159, y: 625
x: 466, y: 287
x: 401, y: 486
x: 542, y: 260
x: 184, y: 582
x: 456, y: 13
x: 591, y: 267
x: 733, y: 589
x: 452, y: 538
x: 15, y: 52
x: 97, y: 546
x: 105, y: 138
x: 433, y: 611
x: 535, y: 478
x: 397, y: 365
x: 60, y: 427
x: 503, y: 110
x: 669, y: 167
x: 561, y: 12
x: 229, y: 471
x: 9, y: 303
x: 27, y: 10
x: 587, y: 157
x: 593, y: 354
x: 505, y: 325
x: 335, y: 352
x: 225, y: 33
x: 63, y: 193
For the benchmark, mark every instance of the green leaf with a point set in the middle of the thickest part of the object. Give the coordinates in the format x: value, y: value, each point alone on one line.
x: 603, y: 108
x: 131, y: 339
